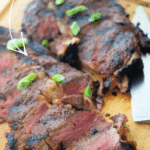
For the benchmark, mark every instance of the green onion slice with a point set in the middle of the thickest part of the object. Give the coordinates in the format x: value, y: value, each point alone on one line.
x: 88, y: 91
x: 58, y: 77
x: 75, y: 10
x: 45, y: 42
x: 18, y: 42
x: 59, y: 2
x: 75, y: 28
x: 26, y: 81
x: 95, y: 17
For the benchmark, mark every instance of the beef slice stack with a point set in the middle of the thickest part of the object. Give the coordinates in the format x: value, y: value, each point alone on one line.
x: 111, y: 46
x: 49, y: 115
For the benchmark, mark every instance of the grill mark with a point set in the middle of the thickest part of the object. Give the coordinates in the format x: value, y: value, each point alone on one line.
x: 60, y: 10
x: 121, y: 9
x: 36, y: 47
x: 87, y: 54
x: 31, y: 140
x: 100, y: 32
x: 2, y: 30
x: 11, y: 141
x: 86, y: 39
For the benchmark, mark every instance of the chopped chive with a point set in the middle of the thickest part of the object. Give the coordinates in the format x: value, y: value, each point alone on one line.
x: 95, y: 17
x: 88, y: 91
x: 75, y: 28
x: 75, y: 10
x: 18, y: 42
x: 26, y: 81
x: 58, y: 77
x: 45, y: 42
x: 59, y: 2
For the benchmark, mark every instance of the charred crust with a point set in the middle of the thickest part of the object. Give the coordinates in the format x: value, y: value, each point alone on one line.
x: 31, y: 140
x: 107, y: 85
x: 114, y: 93
x: 128, y: 146
x: 131, y: 50
x: 94, y: 131
x: 37, y: 47
x: 115, y: 118
x: 14, y: 126
x: 115, y: 126
x: 23, y: 29
x: 3, y: 97
x: 107, y: 115
x: 123, y: 71
x: 121, y: 9
x: 60, y: 146
x: 123, y: 23
x: 131, y: 70
x: 144, y: 46
x: 71, y: 55
x: 135, y: 67
x: 2, y: 30
x: 96, y: 84
x: 11, y: 141
x: 60, y: 12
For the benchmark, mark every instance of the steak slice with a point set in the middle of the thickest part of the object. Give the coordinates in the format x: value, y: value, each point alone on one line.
x: 110, y: 47
x: 104, y: 136
x: 70, y: 91
x: 61, y: 126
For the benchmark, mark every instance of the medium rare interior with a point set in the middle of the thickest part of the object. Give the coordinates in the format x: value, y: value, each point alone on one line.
x: 36, y: 114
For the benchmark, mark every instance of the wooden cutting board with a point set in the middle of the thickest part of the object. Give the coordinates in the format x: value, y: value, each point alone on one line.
x: 112, y: 104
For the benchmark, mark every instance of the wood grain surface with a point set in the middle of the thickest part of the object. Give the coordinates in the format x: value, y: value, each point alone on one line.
x: 112, y: 104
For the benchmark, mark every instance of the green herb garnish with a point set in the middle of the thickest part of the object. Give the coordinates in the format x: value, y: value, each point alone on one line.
x: 45, y: 42
x: 127, y: 125
x: 95, y: 17
x: 26, y: 81
x: 88, y: 91
x: 58, y: 77
x: 18, y: 42
x: 59, y: 2
x: 75, y: 10
x: 75, y: 28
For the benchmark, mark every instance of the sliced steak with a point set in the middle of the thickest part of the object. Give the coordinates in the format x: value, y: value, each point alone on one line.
x: 104, y: 136
x: 39, y: 125
x: 72, y: 87
x: 110, y: 47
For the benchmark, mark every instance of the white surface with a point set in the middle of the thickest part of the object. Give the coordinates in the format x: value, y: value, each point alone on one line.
x: 140, y: 96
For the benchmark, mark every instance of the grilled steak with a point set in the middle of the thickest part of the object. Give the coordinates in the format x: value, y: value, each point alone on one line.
x: 111, y: 46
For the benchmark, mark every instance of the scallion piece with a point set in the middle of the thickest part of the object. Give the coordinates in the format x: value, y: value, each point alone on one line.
x: 58, y: 77
x: 45, y: 42
x: 88, y: 91
x: 26, y: 81
x: 95, y: 17
x: 18, y: 42
x: 75, y: 10
x: 59, y: 2
x: 75, y: 28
